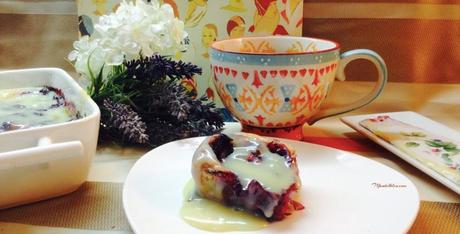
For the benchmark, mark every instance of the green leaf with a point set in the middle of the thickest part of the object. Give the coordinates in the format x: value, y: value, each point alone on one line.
x: 434, y: 143
x: 412, y: 144
x: 447, y: 159
x: 447, y: 146
x: 450, y: 145
x: 413, y: 134
x: 453, y: 151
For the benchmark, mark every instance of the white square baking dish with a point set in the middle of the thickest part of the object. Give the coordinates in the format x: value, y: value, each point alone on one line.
x: 51, y: 160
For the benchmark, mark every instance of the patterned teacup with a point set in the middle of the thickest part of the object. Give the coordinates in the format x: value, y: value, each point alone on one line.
x: 273, y: 85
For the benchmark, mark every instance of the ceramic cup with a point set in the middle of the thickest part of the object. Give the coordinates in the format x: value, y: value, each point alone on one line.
x: 273, y: 85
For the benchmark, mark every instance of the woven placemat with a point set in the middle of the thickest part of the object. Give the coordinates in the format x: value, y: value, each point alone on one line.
x: 98, y: 206
x: 437, y: 217
x: 95, y: 206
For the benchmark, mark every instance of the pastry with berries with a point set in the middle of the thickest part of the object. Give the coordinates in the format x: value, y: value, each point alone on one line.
x: 249, y: 172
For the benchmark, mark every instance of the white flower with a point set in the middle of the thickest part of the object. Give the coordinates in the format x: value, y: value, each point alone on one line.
x: 141, y: 28
x: 88, y: 57
x: 134, y: 29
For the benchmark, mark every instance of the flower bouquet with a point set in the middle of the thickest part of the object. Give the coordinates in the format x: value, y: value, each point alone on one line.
x: 127, y: 66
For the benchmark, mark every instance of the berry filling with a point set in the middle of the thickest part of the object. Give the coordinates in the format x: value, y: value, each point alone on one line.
x: 280, y: 149
x: 222, y: 145
x: 254, y: 197
x: 254, y: 156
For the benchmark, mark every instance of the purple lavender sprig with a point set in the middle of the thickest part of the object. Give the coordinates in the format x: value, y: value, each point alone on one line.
x: 126, y: 121
x: 156, y: 68
x: 144, y: 102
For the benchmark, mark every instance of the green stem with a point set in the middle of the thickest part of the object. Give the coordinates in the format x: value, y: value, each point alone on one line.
x: 96, y: 82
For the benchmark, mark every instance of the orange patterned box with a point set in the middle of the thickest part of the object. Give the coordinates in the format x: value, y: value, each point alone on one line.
x: 208, y: 21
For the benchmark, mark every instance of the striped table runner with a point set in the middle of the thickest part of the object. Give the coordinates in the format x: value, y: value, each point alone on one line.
x: 98, y: 205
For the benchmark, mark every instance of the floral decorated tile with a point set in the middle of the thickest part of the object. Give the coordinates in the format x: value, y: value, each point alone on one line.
x: 422, y: 142
x: 208, y: 21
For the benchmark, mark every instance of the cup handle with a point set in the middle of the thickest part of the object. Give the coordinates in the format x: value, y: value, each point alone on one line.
x: 345, y: 58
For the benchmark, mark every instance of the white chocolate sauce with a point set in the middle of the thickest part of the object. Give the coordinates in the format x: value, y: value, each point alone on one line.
x: 212, y: 216
x: 272, y: 171
x: 29, y: 107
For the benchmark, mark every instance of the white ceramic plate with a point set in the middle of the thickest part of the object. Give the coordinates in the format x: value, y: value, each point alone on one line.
x: 339, y: 191
x: 414, y: 119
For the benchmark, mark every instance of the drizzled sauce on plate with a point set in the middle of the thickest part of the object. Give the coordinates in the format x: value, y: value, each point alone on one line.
x: 212, y: 216
x: 32, y: 107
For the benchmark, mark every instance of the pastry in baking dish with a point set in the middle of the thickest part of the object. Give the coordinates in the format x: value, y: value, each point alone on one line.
x: 22, y: 108
x: 249, y: 172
